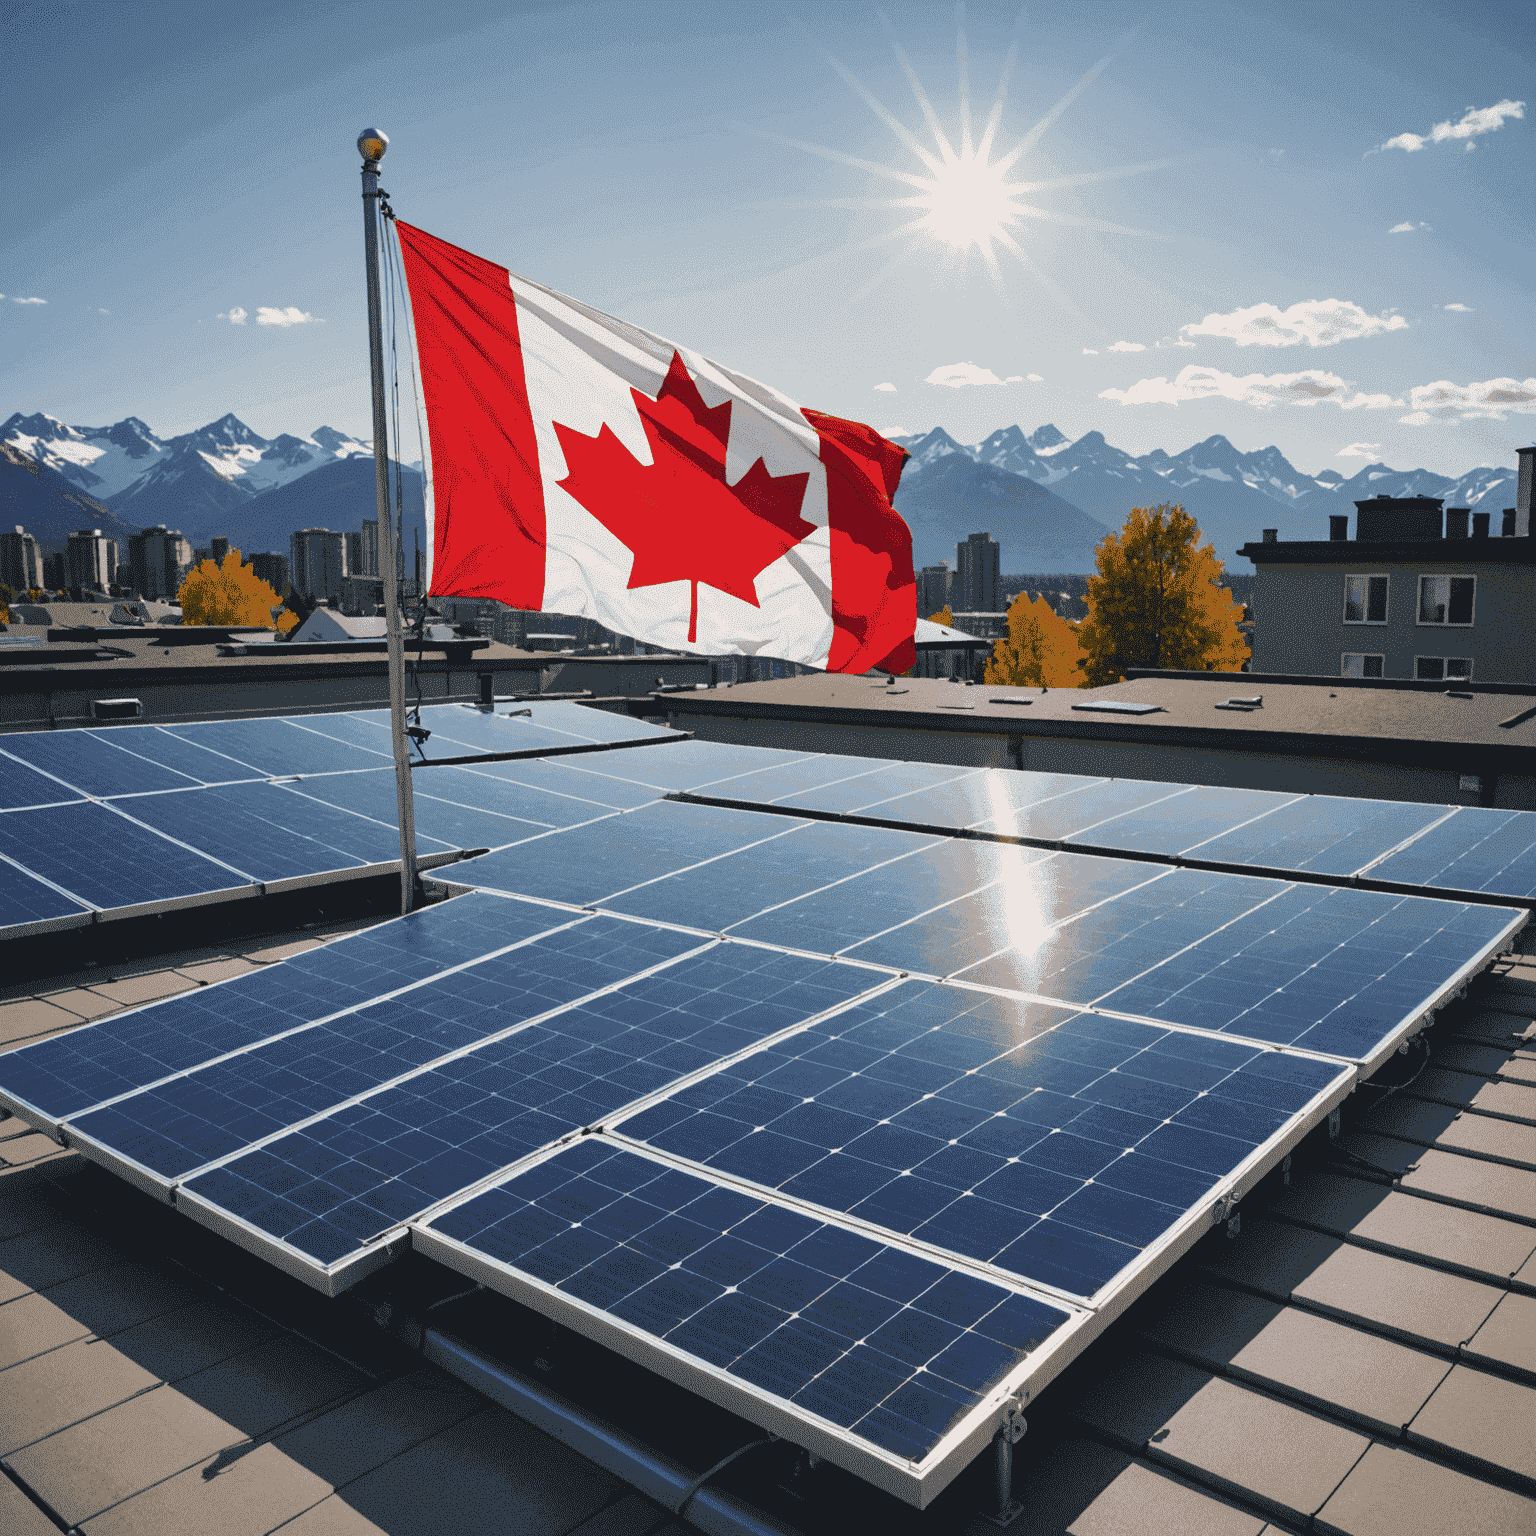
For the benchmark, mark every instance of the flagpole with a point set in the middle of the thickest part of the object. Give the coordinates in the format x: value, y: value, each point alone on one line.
x: 371, y: 145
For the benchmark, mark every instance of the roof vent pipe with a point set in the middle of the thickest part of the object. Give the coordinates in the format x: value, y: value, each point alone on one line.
x: 1480, y: 524
x: 1338, y: 527
x: 1456, y: 522
x: 1271, y: 535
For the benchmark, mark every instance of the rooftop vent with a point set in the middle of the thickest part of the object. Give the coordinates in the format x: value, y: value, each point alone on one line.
x: 1271, y: 535
x: 1456, y: 522
x: 1338, y: 527
x: 1507, y: 524
x: 1480, y: 524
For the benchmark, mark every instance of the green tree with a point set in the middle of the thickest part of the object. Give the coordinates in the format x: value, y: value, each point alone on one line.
x: 1156, y: 601
x: 229, y: 594
x: 1041, y: 650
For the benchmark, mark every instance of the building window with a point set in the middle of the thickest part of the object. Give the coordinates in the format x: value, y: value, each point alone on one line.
x: 1365, y: 599
x: 1446, y: 599
x: 1442, y: 669
x: 1353, y: 664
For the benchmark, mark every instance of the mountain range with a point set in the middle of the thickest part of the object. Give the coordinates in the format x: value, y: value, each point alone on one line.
x: 1046, y: 498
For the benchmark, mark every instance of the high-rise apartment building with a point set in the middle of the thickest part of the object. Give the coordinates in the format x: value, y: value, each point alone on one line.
x: 933, y: 588
x: 218, y: 549
x: 21, y: 561
x: 158, y: 559
x: 319, y: 561
x: 272, y: 568
x: 90, y: 560
x: 978, y: 575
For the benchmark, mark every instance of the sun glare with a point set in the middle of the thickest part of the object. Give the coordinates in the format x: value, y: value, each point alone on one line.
x: 962, y: 194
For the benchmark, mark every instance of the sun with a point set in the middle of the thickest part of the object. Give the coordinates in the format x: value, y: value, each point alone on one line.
x: 964, y: 194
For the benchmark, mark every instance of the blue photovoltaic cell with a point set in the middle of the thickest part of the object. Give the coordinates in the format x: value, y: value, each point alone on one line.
x: 586, y: 864
x: 280, y: 747
x: 24, y: 899
x: 785, y: 781
x: 948, y: 906
x: 66, y: 1074
x: 676, y: 766
x: 811, y: 855
x: 1325, y: 834
x: 1328, y: 970
x: 1476, y: 850
x: 274, y: 833
x: 185, y: 757
x: 360, y: 727
x: 589, y: 723
x: 855, y: 796
x: 105, y: 860
x: 561, y: 776
x: 1053, y: 1144
x: 1061, y: 815
x: 1182, y: 822
x: 330, y: 1187
x: 1081, y: 959
x: 997, y: 800
x: 888, y: 1344
x: 220, y: 1108
x: 89, y: 763
x: 21, y: 786
x: 459, y: 729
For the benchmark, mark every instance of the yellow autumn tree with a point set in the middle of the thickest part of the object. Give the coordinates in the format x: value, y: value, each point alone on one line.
x: 1156, y: 601
x: 943, y: 616
x: 229, y: 594
x: 1041, y: 650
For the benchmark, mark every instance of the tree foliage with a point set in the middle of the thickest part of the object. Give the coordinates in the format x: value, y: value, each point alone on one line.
x: 1156, y: 601
x: 229, y: 594
x: 1041, y: 650
x: 943, y: 616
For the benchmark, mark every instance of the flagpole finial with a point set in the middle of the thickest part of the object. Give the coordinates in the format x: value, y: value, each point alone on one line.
x: 371, y: 144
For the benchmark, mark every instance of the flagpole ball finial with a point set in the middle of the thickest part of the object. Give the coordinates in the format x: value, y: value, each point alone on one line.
x: 372, y: 143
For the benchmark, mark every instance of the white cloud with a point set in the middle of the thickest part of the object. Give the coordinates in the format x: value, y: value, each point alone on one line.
x: 1262, y: 390
x: 103, y: 311
x: 1014, y: 378
x: 284, y: 317
x: 1128, y: 346
x: 1407, y: 227
x: 886, y: 389
x: 1490, y: 400
x: 1090, y: 351
x: 1036, y: 378
x: 235, y: 315
x: 1172, y: 341
x: 1360, y: 451
x: 1458, y: 309
x: 1476, y: 120
x: 17, y: 299
x: 1317, y: 322
x: 959, y: 375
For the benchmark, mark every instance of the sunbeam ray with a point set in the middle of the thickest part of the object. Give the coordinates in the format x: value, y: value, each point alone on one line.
x: 1046, y: 281
x: 1032, y: 138
x: 963, y: 59
x: 946, y: 149
x: 1076, y: 221
x: 887, y: 117
x: 880, y: 276
x: 1083, y: 178
x: 910, y: 178
x: 995, y: 116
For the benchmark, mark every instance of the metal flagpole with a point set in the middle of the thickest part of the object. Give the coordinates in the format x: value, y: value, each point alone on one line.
x: 372, y: 144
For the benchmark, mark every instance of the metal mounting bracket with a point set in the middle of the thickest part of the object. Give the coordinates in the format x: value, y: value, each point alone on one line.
x: 1335, y: 1124
x: 1225, y: 1210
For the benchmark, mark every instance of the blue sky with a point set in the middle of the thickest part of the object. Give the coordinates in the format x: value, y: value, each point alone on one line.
x: 170, y: 164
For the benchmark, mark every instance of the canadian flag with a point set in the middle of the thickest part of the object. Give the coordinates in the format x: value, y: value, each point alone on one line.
x: 581, y: 465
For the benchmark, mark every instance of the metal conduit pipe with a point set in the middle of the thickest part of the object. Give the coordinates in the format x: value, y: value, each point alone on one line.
x: 656, y: 1476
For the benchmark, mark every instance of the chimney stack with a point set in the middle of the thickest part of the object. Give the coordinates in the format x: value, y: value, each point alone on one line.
x: 1338, y: 526
x: 1456, y: 522
x: 1507, y: 524
x: 1523, y: 494
x: 1480, y: 524
x: 1271, y: 535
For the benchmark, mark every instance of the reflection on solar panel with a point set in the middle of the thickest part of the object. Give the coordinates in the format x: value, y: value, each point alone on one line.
x: 163, y: 1133
x: 857, y: 1348
x: 1473, y: 850
x: 65, y: 1075
x: 1054, y: 1145
x: 557, y: 775
x: 316, y: 1200
x: 685, y: 765
x: 1182, y: 822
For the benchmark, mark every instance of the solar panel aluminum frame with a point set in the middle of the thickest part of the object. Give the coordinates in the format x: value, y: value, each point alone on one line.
x: 915, y: 1483
x: 365, y: 871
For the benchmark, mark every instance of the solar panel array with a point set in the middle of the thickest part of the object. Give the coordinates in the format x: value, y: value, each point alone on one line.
x: 858, y: 1120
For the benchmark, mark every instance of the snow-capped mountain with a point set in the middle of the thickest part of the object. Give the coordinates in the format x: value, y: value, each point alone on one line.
x: 1233, y: 495
x: 191, y: 481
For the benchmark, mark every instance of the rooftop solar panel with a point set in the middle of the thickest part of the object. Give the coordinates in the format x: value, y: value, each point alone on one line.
x: 89, y: 762
x: 274, y: 832
x: 1056, y: 1146
x: 22, y: 787
x: 559, y: 776
x: 1476, y: 849
x: 107, y: 861
x: 585, y: 864
x: 463, y: 729
x: 279, y: 747
x: 995, y: 799
x: 54, y: 1079
x: 175, y: 752
x: 888, y: 1362
x: 682, y: 765
x: 318, y: 1199
x: 784, y: 781
x: 1181, y: 823
x: 163, y: 1134
x: 890, y: 781
x: 1322, y: 834
x: 587, y: 721
x: 30, y: 904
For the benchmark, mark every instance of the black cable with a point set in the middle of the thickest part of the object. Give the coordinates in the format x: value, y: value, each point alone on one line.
x: 725, y: 1461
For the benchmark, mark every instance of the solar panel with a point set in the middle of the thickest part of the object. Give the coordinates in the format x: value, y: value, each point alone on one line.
x: 316, y: 1200
x: 886, y: 1361
x: 947, y: 906
x: 587, y: 721
x: 162, y: 1134
x: 1056, y: 1146
x: 88, y: 762
x: 892, y: 780
x: 683, y: 765
x: 784, y: 781
x: 182, y: 756
x: 462, y: 729
x: 55, y: 1079
x: 585, y: 864
x: 104, y: 860
x: 1323, y: 834
x: 278, y: 747
x: 1181, y: 823
x: 21, y: 787
x: 559, y: 776
x: 1476, y: 849
x: 275, y: 833
x: 29, y: 904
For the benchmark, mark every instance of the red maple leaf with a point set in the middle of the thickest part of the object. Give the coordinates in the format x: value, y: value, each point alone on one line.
x: 677, y: 515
